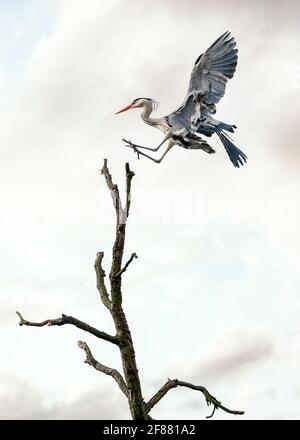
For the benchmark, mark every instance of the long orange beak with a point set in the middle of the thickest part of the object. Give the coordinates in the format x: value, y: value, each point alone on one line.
x: 124, y: 109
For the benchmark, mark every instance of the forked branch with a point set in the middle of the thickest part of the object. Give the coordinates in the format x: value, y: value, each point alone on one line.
x: 65, y: 319
x: 210, y: 399
x: 122, y: 214
x: 114, y: 190
x: 129, y: 384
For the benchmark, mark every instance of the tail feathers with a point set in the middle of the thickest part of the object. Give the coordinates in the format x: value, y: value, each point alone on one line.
x: 236, y: 156
x: 227, y: 127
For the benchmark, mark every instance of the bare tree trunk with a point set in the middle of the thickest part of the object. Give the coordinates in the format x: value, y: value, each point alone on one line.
x: 129, y: 384
x: 135, y: 398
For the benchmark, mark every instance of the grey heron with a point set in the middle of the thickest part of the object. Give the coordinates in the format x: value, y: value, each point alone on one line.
x: 194, y: 116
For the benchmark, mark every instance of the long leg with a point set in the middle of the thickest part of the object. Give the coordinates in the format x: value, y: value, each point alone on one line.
x: 170, y: 145
x: 168, y: 135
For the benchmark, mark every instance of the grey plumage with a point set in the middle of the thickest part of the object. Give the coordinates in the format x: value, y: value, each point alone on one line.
x: 206, y: 87
x: 194, y: 116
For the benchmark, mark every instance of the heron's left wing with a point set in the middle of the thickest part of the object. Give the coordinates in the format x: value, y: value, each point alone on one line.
x: 208, y: 81
x: 213, y: 69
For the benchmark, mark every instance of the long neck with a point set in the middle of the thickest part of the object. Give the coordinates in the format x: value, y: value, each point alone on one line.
x: 146, y: 112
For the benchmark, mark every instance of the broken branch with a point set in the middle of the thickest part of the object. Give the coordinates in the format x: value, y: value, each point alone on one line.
x: 70, y: 320
x: 134, y: 255
x: 129, y: 176
x: 103, y: 368
x: 210, y: 399
x: 114, y: 190
x: 100, y: 274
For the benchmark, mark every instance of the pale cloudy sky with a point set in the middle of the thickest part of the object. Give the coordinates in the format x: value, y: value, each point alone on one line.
x: 214, y: 295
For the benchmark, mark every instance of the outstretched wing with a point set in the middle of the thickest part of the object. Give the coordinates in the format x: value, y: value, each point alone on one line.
x: 207, y: 84
x: 213, y: 69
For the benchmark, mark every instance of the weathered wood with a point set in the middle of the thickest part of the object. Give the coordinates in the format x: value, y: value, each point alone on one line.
x: 65, y: 319
x: 103, y: 368
x: 129, y: 384
x: 135, y: 399
x: 210, y: 399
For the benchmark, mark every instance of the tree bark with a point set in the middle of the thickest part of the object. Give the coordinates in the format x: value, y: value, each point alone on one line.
x: 135, y: 399
x: 129, y: 384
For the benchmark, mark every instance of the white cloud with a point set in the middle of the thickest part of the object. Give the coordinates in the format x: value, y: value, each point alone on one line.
x: 232, y: 353
x: 217, y: 246
x: 20, y: 399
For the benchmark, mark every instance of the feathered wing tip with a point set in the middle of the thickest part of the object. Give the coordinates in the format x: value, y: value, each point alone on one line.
x: 197, y: 143
x: 237, y: 157
x: 219, y: 41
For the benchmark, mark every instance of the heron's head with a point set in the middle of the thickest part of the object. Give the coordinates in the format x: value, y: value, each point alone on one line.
x: 140, y: 102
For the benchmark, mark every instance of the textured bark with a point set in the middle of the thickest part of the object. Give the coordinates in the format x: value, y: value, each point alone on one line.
x: 70, y: 320
x: 129, y: 384
x: 135, y: 399
x: 103, y: 368
x: 210, y: 399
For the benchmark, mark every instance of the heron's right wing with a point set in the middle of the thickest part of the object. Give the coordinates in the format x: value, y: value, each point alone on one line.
x: 208, y: 81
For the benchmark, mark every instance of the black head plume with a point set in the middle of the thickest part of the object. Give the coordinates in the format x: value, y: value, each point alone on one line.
x: 154, y: 103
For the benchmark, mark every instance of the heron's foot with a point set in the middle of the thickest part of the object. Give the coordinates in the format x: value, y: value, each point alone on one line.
x: 129, y: 144
x: 139, y: 153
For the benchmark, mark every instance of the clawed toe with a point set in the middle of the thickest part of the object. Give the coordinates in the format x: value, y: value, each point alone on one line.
x: 129, y: 143
x: 133, y: 147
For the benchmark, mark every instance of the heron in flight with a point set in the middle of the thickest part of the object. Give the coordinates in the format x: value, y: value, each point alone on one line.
x: 194, y: 116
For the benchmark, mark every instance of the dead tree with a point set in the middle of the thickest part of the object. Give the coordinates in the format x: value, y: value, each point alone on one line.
x: 129, y: 382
